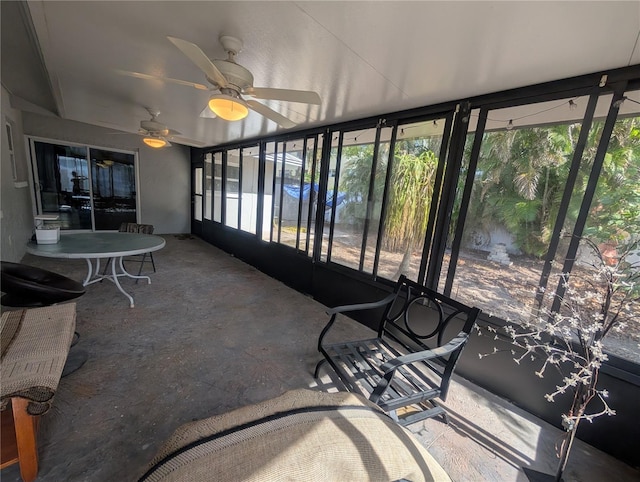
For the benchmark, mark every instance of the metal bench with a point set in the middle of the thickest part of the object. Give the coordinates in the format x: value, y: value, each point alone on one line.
x: 420, y: 336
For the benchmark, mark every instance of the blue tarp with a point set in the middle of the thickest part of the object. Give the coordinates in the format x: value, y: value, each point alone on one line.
x: 293, y: 190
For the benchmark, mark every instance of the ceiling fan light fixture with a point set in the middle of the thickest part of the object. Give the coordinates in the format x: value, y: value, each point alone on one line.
x: 228, y: 108
x: 154, y: 142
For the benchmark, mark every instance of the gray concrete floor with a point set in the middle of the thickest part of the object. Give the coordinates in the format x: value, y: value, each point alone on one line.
x: 211, y: 334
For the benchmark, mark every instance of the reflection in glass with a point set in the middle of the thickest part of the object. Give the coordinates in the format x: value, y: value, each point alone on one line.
x: 113, y: 188
x: 63, y: 179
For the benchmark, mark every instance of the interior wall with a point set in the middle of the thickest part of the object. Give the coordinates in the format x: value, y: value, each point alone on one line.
x: 16, y: 215
x: 164, y: 174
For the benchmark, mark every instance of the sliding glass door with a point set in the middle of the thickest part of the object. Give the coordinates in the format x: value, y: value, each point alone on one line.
x: 86, y: 188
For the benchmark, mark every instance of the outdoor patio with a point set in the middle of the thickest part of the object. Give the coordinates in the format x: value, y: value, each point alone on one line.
x: 211, y: 334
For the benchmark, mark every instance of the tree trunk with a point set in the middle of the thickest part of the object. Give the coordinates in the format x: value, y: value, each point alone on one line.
x: 404, y: 264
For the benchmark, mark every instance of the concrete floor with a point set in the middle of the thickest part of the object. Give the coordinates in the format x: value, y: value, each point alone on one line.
x: 211, y: 334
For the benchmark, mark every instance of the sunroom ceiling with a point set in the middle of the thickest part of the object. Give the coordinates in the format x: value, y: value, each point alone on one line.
x: 363, y: 58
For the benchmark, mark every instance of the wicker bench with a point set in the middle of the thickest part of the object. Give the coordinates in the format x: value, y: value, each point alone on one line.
x: 420, y: 335
x: 301, y: 435
x: 35, y: 345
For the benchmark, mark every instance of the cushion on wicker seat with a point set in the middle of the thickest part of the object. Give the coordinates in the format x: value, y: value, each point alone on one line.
x: 301, y: 435
x: 35, y: 345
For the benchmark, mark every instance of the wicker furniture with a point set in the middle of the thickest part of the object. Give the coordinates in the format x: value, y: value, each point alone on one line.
x: 35, y: 345
x: 301, y: 435
x: 420, y: 335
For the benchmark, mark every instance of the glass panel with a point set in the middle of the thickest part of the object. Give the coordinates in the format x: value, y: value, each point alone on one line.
x: 217, y: 187
x: 415, y: 161
x: 208, y: 183
x: 278, y: 191
x: 113, y: 188
x: 197, y: 198
x: 455, y: 214
x: 521, y: 175
x: 268, y: 214
x: 63, y: 178
x: 614, y: 222
x: 312, y: 175
x: 331, y: 188
x: 232, y: 188
x: 354, y: 177
x: 249, y: 189
x: 292, y: 196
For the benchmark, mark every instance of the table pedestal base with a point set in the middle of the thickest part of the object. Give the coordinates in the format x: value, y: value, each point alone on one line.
x: 93, y: 275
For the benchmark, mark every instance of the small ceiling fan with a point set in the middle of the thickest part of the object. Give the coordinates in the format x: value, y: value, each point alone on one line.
x: 233, y: 81
x: 156, y: 134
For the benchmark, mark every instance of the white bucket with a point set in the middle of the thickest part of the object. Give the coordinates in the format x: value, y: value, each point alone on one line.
x: 48, y: 236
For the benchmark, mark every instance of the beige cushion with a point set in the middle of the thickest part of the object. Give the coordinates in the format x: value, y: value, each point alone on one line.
x: 301, y: 435
x: 35, y: 345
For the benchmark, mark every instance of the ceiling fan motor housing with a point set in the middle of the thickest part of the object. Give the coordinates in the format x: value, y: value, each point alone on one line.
x: 154, y: 128
x: 237, y: 76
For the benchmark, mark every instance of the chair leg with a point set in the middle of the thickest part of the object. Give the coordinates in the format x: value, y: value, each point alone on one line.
x: 25, y: 426
x: 152, y: 262
x: 318, y: 365
x: 106, y: 267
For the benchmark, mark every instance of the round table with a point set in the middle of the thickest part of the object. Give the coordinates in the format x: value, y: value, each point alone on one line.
x: 98, y: 245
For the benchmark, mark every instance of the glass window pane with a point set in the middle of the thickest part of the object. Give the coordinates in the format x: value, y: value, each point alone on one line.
x: 353, y: 179
x: 249, y: 189
x: 278, y: 191
x: 312, y: 175
x: 415, y: 161
x: 268, y: 197
x: 197, y: 198
x: 217, y: 187
x: 232, y: 188
x: 113, y: 188
x: 63, y: 178
x: 329, y: 202
x: 614, y: 222
x: 292, y: 195
x: 522, y: 171
x: 208, y: 183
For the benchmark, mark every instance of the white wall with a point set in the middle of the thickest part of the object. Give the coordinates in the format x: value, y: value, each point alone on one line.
x: 16, y: 219
x: 164, y: 188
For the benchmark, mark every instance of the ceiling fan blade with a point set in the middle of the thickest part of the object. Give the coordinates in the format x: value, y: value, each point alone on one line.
x: 173, y: 132
x: 271, y: 114
x: 139, y: 75
x: 302, y: 96
x: 198, y: 57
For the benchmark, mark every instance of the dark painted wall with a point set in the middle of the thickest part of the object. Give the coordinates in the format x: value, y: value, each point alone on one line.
x: 618, y: 435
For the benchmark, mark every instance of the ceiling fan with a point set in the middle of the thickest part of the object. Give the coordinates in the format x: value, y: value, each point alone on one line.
x: 233, y: 81
x: 156, y: 134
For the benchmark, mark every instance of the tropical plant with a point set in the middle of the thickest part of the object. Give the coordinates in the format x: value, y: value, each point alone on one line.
x: 410, y: 191
x: 597, y: 300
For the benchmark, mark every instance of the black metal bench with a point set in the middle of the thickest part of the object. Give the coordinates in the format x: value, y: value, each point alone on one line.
x: 398, y: 370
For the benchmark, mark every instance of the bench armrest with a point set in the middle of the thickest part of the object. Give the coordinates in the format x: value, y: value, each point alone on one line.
x: 346, y: 308
x: 362, y: 306
x: 389, y: 368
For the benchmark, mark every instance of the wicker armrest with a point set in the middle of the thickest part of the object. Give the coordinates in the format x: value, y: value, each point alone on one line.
x: 35, y: 345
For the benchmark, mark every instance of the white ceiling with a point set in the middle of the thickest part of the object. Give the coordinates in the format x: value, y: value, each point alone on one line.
x: 363, y: 58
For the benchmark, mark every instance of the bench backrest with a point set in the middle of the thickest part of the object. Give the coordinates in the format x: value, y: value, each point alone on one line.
x: 420, y: 318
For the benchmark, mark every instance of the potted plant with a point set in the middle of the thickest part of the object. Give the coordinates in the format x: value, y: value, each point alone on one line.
x: 593, y: 302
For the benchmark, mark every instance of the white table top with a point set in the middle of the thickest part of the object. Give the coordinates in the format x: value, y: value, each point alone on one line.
x: 97, y: 245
